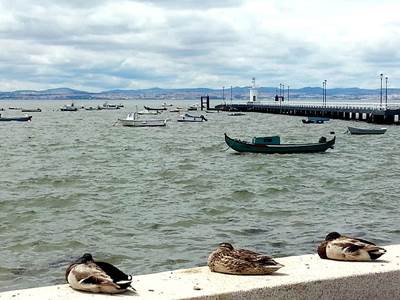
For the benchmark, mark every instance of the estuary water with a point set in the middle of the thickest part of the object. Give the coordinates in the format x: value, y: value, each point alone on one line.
x: 155, y: 199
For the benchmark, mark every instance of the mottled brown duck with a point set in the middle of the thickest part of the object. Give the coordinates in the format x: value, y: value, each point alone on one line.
x: 228, y: 260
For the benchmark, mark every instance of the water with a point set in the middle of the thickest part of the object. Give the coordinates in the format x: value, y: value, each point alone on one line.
x: 155, y: 199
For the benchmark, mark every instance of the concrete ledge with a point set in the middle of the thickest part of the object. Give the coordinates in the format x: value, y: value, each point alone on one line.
x: 303, y: 277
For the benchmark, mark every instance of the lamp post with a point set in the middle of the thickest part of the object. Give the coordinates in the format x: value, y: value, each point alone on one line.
x: 288, y: 93
x: 325, y: 91
x: 223, y: 94
x: 380, y: 103
x: 386, y: 92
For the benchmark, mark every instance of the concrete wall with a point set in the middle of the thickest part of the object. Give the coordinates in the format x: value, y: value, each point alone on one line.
x: 303, y: 277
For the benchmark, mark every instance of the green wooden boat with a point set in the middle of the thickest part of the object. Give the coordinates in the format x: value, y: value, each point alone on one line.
x: 272, y: 144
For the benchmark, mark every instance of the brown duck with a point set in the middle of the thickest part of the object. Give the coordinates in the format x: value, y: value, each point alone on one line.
x: 340, y: 247
x: 97, y: 277
x: 226, y: 259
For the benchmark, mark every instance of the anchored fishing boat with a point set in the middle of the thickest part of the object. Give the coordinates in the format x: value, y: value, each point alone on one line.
x: 315, y: 120
x: 152, y: 108
x: 360, y: 131
x: 31, y: 110
x: 191, y: 118
x: 19, y: 119
x: 71, y: 107
x: 272, y: 144
x: 133, y: 120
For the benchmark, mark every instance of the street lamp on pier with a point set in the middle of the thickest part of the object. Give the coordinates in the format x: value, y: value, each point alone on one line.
x: 380, y: 103
x: 386, y: 98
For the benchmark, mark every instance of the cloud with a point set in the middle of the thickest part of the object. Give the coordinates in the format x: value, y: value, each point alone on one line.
x: 104, y: 44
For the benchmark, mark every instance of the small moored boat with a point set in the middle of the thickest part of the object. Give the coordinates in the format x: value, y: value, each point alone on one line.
x: 190, y: 118
x: 71, y: 107
x: 19, y: 119
x: 152, y: 108
x: 133, y: 120
x: 272, y: 144
x: 315, y: 120
x: 31, y: 110
x: 359, y: 131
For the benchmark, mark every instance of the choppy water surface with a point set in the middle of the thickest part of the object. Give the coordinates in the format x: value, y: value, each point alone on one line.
x: 153, y: 199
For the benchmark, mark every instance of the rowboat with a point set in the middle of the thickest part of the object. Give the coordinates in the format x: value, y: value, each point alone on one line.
x: 133, y: 120
x: 31, y: 110
x: 20, y: 119
x: 272, y: 144
x: 190, y: 118
x: 108, y: 106
x: 236, y: 114
x: 315, y: 120
x: 359, y: 131
x: 152, y: 108
x: 71, y: 107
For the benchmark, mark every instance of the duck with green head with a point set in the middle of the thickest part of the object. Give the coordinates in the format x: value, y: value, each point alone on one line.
x: 88, y: 275
x: 340, y: 247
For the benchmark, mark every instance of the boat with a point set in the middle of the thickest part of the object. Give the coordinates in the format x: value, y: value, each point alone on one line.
x: 19, y: 119
x: 157, y: 109
x: 71, y: 107
x: 148, y: 112
x: 14, y: 108
x: 192, y: 107
x: 190, y: 118
x: 108, y: 106
x: 360, y: 131
x: 133, y: 120
x: 93, y: 108
x: 272, y: 144
x: 236, y: 114
x: 315, y: 120
x: 31, y: 110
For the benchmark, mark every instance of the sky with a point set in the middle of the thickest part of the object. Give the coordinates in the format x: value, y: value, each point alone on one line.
x: 97, y: 45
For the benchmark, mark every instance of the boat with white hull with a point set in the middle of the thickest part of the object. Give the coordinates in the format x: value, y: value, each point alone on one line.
x: 133, y: 120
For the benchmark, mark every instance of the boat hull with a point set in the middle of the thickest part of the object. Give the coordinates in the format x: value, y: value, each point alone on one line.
x: 241, y: 146
x: 362, y: 131
x: 18, y: 119
x: 143, y: 123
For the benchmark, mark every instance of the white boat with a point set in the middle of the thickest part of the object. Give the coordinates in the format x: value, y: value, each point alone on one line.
x: 133, y: 120
x: 148, y: 112
x: 109, y: 106
x: 71, y: 107
x: 359, y: 131
x: 190, y: 118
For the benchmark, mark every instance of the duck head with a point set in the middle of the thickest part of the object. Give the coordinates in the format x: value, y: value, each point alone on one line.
x: 225, y: 246
x: 332, y: 236
x: 87, y: 257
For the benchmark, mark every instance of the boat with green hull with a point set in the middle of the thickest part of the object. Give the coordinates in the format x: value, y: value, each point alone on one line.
x: 271, y: 144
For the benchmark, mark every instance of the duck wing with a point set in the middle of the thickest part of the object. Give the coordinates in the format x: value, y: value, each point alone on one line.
x: 254, y: 257
x: 117, y: 276
x: 356, y: 249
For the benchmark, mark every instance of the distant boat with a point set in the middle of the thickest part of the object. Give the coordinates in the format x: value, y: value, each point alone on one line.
x: 236, y: 114
x: 192, y: 107
x: 360, y: 131
x: 148, y: 112
x: 157, y: 109
x: 190, y: 118
x: 271, y: 144
x: 315, y: 120
x: 71, y: 107
x: 31, y: 110
x: 133, y: 120
x: 19, y: 119
x: 15, y: 108
x: 93, y: 108
x: 108, y: 106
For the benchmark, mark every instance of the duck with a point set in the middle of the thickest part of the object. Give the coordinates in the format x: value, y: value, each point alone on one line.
x: 228, y: 260
x: 88, y: 275
x: 340, y: 247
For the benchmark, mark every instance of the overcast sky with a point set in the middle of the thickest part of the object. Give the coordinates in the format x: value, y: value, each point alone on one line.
x: 98, y: 45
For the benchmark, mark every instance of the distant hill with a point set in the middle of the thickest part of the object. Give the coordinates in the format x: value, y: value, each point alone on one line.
x: 189, y: 93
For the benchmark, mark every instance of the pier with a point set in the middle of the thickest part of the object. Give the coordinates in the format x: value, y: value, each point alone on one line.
x: 366, y: 112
